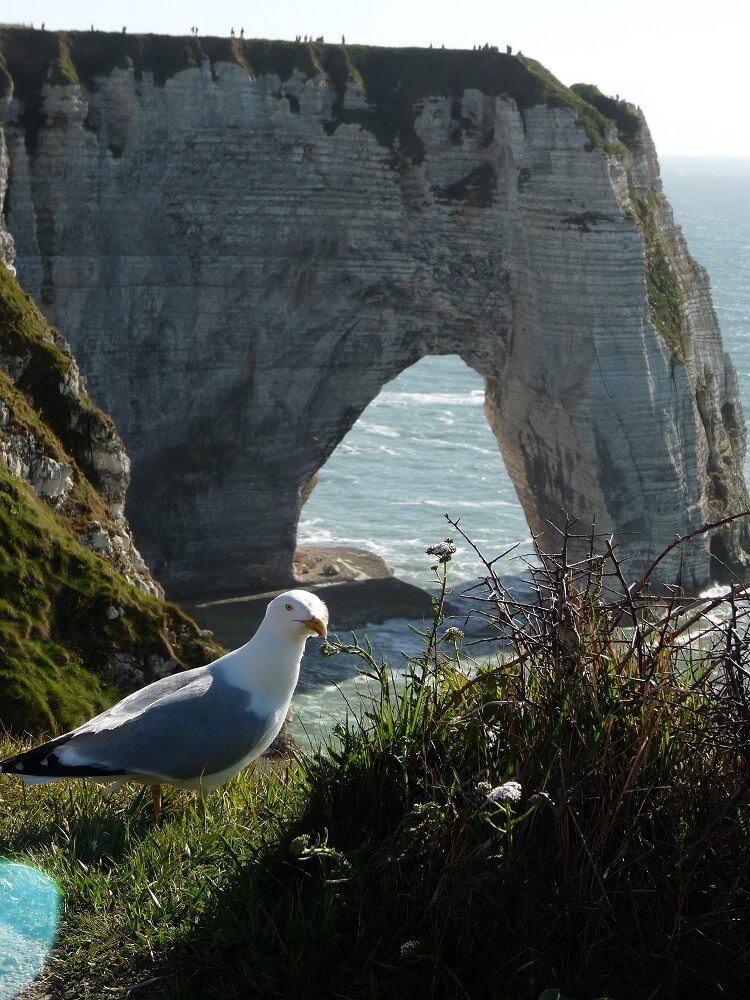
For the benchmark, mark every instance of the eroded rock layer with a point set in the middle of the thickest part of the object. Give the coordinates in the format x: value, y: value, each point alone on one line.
x: 245, y: 241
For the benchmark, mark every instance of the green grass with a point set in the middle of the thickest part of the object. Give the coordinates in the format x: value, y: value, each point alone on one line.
x: 132, y: 890
x: 55, y: 636
x: 622, y: 871
x: 590, y: 115
x: 614, y: 110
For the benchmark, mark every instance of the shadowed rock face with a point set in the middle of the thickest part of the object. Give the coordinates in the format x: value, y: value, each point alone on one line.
x: 241, y: 264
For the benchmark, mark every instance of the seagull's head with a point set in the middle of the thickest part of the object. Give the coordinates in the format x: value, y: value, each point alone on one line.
x: 298, y: 614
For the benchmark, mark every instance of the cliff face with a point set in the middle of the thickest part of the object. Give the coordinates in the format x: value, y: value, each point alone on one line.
x: 245, y: 241
x: 80, y: 614
x: 54, y: 438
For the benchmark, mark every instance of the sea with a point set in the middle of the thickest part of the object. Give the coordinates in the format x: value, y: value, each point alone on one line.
x: 423, y: 449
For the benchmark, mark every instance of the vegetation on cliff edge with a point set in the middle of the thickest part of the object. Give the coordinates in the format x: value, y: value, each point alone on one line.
x: 395, y: 81
x: 39, y: 398
x: 619, y: 112
x: 56, y: 629
x: 56, y: 596
x: 571, y: 815
x: 662, y: 287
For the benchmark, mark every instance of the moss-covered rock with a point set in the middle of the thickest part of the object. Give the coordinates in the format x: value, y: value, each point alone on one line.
x: 43, y: 388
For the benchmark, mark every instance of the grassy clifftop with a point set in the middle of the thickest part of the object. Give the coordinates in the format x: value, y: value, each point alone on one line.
x: 393, y: 80
x: 66, y: 613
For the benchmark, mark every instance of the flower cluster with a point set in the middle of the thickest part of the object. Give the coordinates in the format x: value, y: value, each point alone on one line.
x: 452, y: 634
x: 509, y: 791
x: 443, y: 550
x: 409, y: 948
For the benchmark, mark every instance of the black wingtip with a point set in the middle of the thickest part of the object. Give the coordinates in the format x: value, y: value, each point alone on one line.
x: 43, y: 762
x: 33, y: 761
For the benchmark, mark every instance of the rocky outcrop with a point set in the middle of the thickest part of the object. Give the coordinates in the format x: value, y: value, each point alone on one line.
x: 245, y: 241
x: 81, y: 615
x: 52, y: 436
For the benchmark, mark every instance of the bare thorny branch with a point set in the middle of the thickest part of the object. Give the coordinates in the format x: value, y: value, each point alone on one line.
x: 567, y: 592
x: 583, y: 613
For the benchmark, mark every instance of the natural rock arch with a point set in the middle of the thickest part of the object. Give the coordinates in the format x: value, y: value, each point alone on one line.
x: 422, y: 449
x: 263, y: 254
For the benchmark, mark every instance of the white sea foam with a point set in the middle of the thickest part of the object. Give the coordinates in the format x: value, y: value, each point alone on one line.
x: 475, y: 397
x: 715, y: 590
x: 381, y: 429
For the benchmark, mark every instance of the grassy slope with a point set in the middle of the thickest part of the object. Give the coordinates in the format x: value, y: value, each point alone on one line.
x: 623, y: 870
x: 55, y: 636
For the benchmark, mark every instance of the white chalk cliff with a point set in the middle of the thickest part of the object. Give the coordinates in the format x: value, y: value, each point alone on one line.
x: 245, y: 246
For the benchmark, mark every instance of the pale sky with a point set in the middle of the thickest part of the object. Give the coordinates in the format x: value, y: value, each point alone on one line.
x: 685, y: 63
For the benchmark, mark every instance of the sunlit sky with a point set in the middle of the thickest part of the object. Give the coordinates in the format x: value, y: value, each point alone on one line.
x: 685, y: 63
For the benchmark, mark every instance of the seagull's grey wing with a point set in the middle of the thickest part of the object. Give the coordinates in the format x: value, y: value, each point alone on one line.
x: 46, y: 760
x: 204, y: 727
x: 137, y: 702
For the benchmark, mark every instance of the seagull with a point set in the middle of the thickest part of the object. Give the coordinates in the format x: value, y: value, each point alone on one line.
x: 193, y: 729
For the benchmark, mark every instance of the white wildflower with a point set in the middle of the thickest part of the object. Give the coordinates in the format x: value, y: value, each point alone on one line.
x: 409, y: 948
x: 452, y: 634
x: 443, y: 550
x: 509, y: 791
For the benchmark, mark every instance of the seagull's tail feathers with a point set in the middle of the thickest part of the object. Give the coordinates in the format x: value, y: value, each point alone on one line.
x: 42, y: 764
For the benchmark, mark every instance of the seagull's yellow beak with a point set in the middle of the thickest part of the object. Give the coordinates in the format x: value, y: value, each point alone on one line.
x: 317, y: 625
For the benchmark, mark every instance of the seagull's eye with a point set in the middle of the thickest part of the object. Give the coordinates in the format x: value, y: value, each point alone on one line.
x: 289, y: 607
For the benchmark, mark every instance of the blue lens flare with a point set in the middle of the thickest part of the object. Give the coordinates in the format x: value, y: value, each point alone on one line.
x: 29, y: 910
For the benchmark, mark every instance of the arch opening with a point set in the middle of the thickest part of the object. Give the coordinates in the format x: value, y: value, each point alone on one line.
x: 420, y: 449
